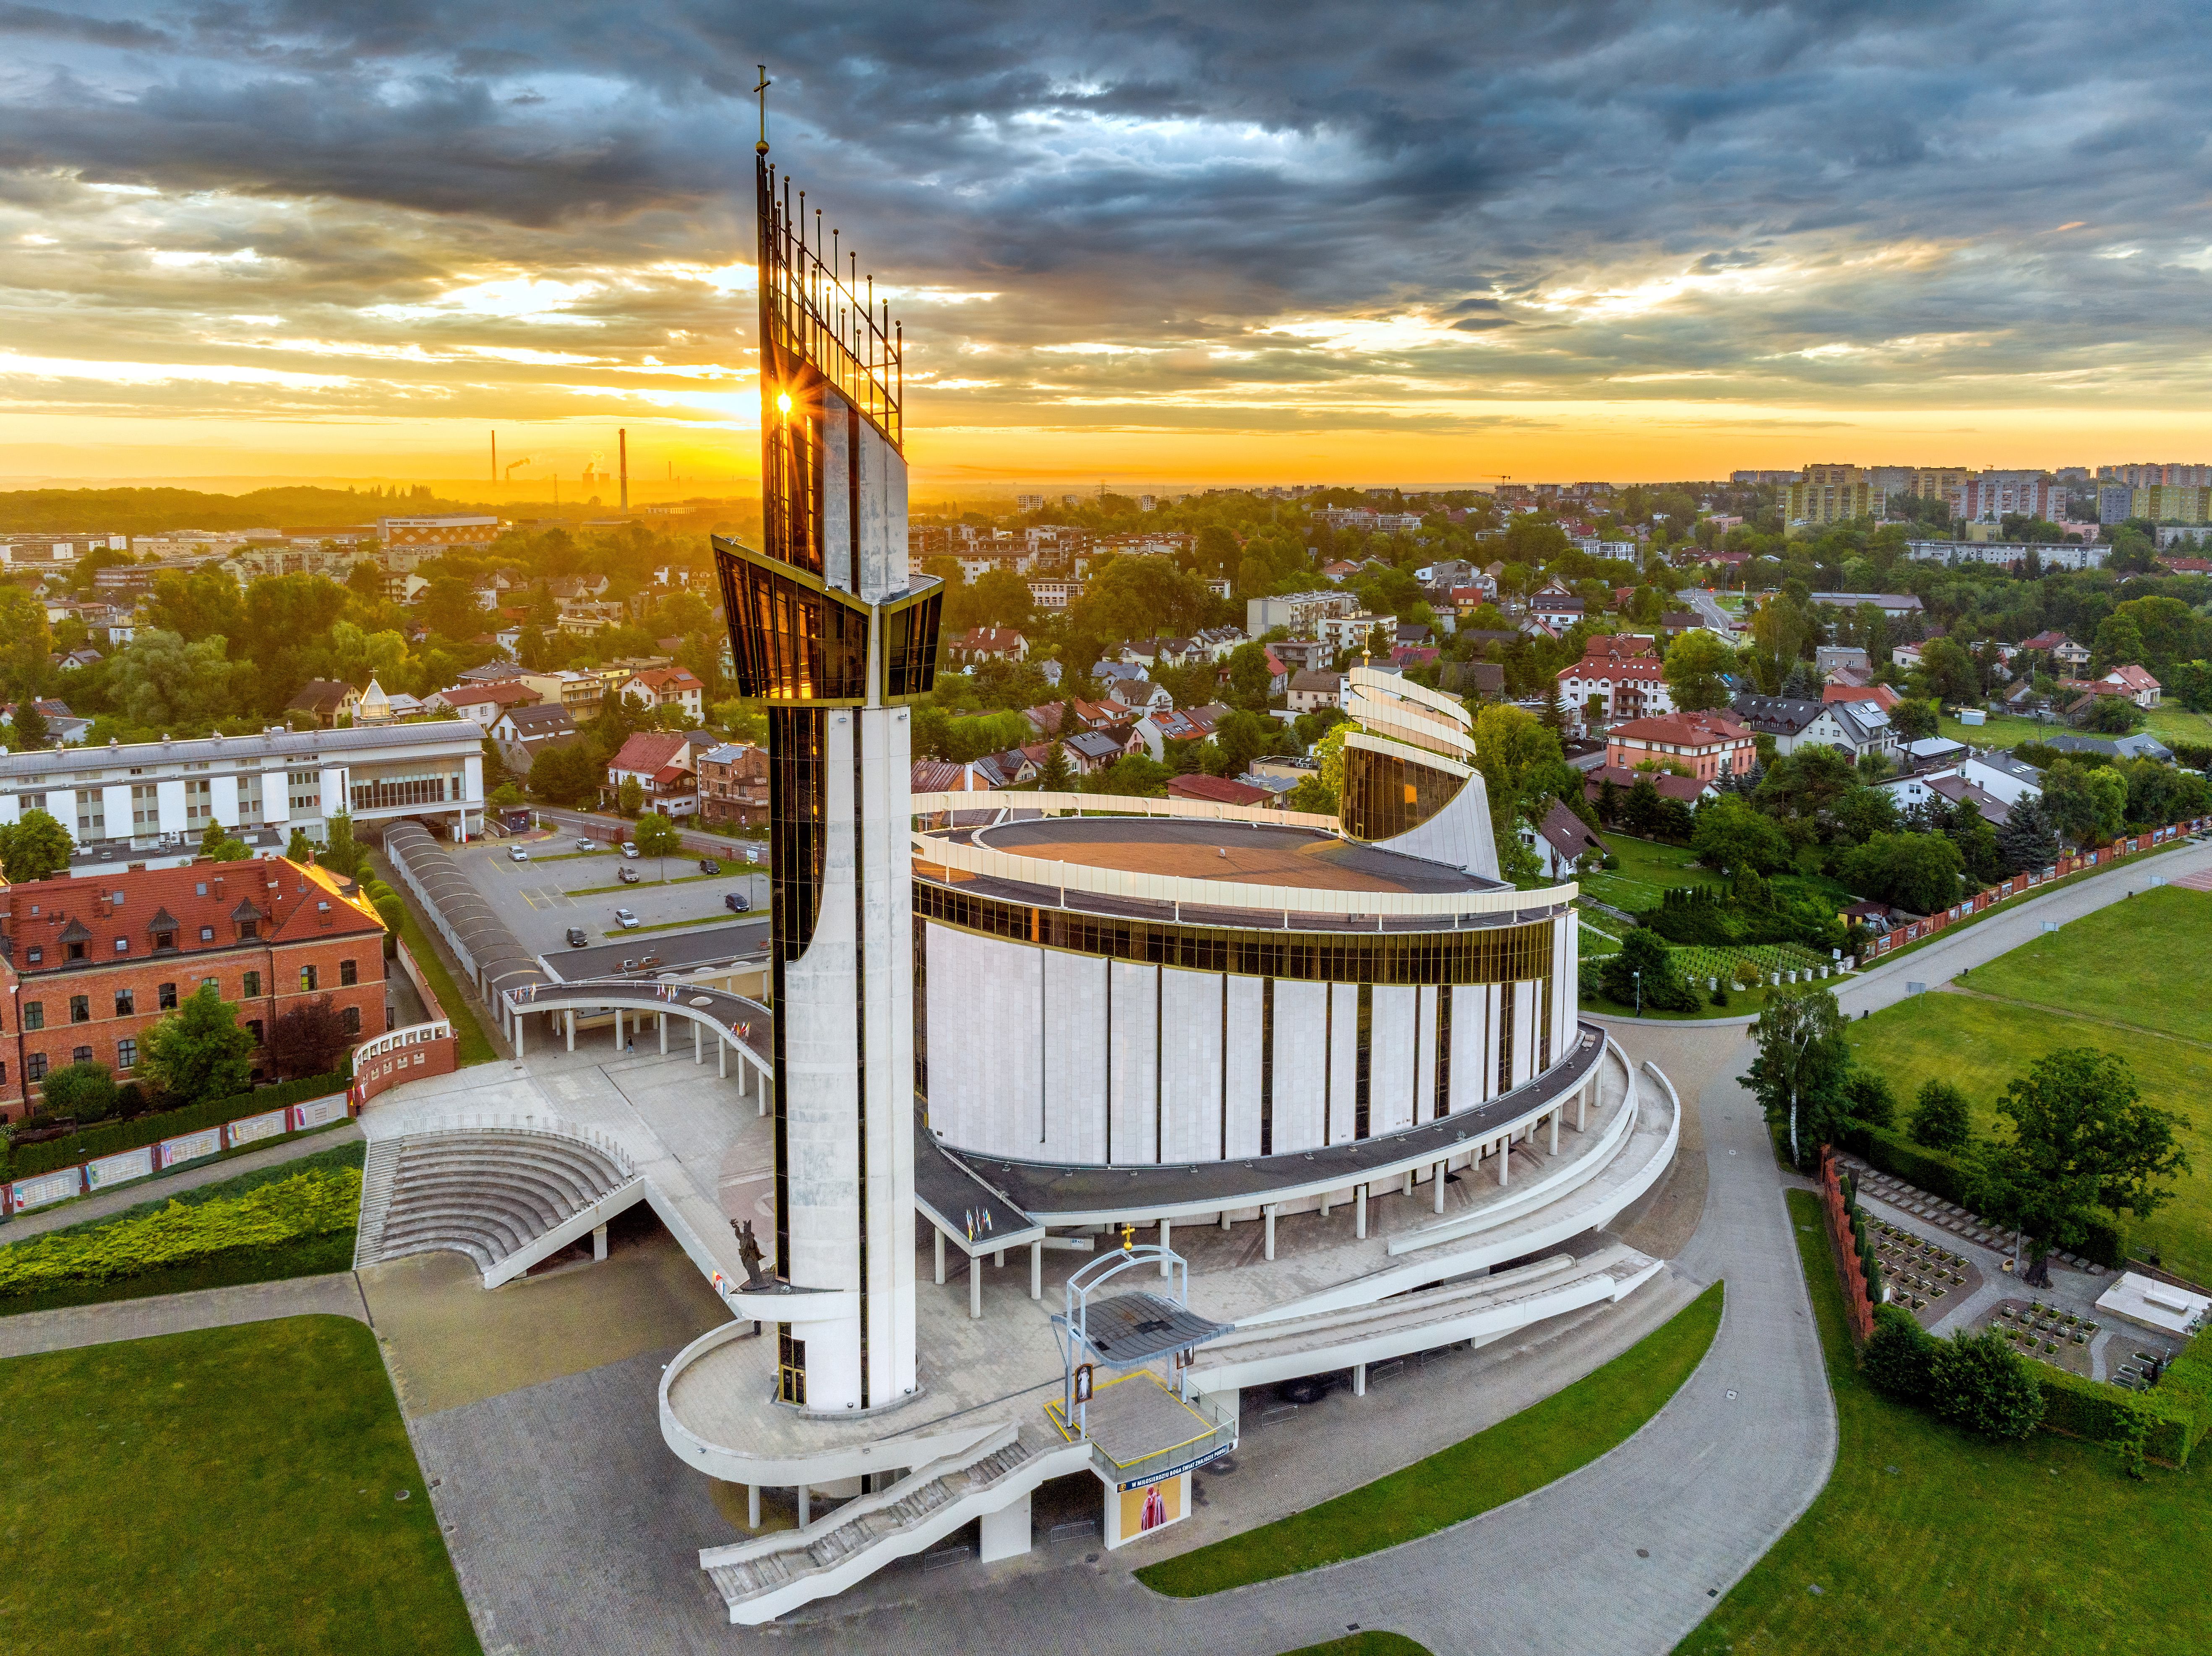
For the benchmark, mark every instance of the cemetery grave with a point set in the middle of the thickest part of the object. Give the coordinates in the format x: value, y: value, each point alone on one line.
x: 2045, y: 1331
x: 1926, y: 1277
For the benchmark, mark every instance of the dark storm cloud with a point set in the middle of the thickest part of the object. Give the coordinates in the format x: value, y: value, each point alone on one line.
x: 1592, y: 195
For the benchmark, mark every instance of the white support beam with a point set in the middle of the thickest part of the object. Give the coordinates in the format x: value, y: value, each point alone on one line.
x: 1555, y: 1131
x: 976, y: 1287
x: 937, y: 1236
x: 1164, y: 1267
x: 1443, y: 1168
x: 1359, y: 1379
x: 598, y: 1243
x: 664, y: 1034
x: 1269, y: 1212
x: 806, y: 1508
x: 571, y: 1016
x: 1037, y: 1269
x: 698, y: 1041
x: 1359, y: 1213
x: 752, y: 1506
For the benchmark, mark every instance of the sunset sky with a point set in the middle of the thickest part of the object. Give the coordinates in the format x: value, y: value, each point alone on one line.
x: 1184, y: 244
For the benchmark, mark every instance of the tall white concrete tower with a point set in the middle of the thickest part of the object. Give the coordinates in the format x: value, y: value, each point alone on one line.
x: 827, y: 628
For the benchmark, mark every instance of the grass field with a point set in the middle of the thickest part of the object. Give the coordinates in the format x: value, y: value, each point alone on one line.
x: 1647, y: 869
x: 722, y: 870
x: 1927, y: 1540
x: 310, y: 1257
x: 231, y: 1489
x: 2139, y: 961
x: 2169, y: 725
x: 1570, y: 1428
x: 1364, y: 1644
x: 620, y: 933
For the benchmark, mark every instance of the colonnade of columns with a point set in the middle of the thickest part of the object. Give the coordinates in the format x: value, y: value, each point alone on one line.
x: 628, y: 1023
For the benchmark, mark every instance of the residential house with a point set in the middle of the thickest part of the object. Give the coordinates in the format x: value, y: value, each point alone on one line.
x: 1090, y: 751
x: 1352, y: 632
x: 1623, y: 673
x: 1129, y: 685
x: 92, y: 964
x: 1555, y: 607
x: 1707, y: 744
x: 988, y: 644
x: 63, y: 727
x: 1310, y: 690
x: 659, y: 762
x: 1219, y: 643
x: 1688, y: 789
x: 658, y: 687
x: 1858, y: 728
x: 1998, y: 773
x: 1931, y: 753
x: 1879, y: 695
x: 1895, y: 605
x: 1152, y: 734
x: 324, y: 702
x: 1220, y: 790
x: 2133, y: 682
x: 1951, y: 787
x: 484, y: 702
x: 1561, y: 841
x: 521, y: 733
x: 1905, y: 657
x: 2066, y: 655
x: 733, y: 785
x: 2138, y: 746
x: 1482, y: 680
x: 1827, y: 658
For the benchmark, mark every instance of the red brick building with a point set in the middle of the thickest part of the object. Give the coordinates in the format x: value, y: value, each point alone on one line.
x: 1708, y: 745
x: 89, y: 965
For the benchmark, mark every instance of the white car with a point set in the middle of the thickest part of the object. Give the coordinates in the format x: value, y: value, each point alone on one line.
x: 587, y: 845
x: 630, y: 851
x: 517, y: 854
x: 625, y: 920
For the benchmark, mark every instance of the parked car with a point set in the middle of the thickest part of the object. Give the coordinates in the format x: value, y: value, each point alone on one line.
x: 625, y: 920
x: 576, y: 938
x: 587, y: 845
x: 627, y: 876
x: 629, y: 850
x: 734, y: 902
x: 517, y: 854
x: 708, y: 865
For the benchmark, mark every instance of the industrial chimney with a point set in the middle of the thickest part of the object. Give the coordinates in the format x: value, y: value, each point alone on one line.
x: 622, y: 451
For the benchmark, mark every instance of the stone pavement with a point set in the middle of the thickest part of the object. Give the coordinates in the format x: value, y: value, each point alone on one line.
x: 334, y: 1296
x: 103, y: 1203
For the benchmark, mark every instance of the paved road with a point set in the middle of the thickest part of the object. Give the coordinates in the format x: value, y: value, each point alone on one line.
x: 335, y: 1295
x: 155, y: 1190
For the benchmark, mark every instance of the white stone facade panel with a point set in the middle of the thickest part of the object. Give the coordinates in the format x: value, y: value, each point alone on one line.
x: 1390, y: 1042
x: 1190, y: 1065
x: 1073, y: 1036
x: 1301, y: 1065
x: 1133, y: 1084
x: 1241, y: 1074
x: 1343, y: 1061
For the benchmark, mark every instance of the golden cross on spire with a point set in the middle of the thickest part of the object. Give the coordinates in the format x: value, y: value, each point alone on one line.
x: 761, y: 92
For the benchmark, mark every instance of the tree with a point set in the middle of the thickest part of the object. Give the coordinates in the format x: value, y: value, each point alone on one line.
x: 1914, y: 719
x: 507, y: 797
x: 655, y: 836
x: 198, y: 1052
x: 2082, y: 1138
x: 2111, y: 715
x: 1900, y: 1358
x: 1939, y: 1117
x: 1251, y: 679
x: 449, y: 607
x: 629, y: 798
x: 1917, y: 871
x: 1801, y: 1062
x: 1979, y: 1382
x: 343, y: 853
x: 160, y: 682
x: 566, y: 774
x: 83, y: 1091
x: 1730, y: 835
x: 2087, y: 803
x: 2025, y: 841
x: 29, y: 725
x: 1608, y: 800
x: 299, y: 848
x: 390, y: 909
x: 308, y: 1039
x: 1948, y: 673
x: 1862, y: 813
x: 1643, y: 973
x: 1056, y: 774
x: 25, y: 642
x: 1866, y: 1094
x: 205, y: 603
x: 1695, y: 662
x: 34, y: 847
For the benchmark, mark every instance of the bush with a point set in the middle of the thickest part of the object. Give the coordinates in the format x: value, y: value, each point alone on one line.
x: 1662, y: 986
x: 1900, y: 1355
x: 1939, y: 1120
x: 2099, y: 1413
x: 82, y: 1092
x: 1978, y: 1382
x: 1720, y: 996
x: 2104, y: 1236
x: 1869, y: 1098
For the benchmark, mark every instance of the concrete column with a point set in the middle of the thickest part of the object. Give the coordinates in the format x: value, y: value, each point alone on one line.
x: 752, y: 1506
x: 572, y: 1032
x: 806, y: 1508
x: 1327, y: 1201
x: 722, y: 1064
x: 664, y: 1034
x: 698, y: 1041
x: 1504, y: 1158
x: 998, y: 1259
x: 1037, y: 1270
x: 937, y: 1236
x: 1438, y: 1181
x: 1224, y: 1218
x: 1165, y: 1269
x: 1359, y: 1213
x: 976, y: 1287
x: 520, y: 1019
x: 599, y: 1241
x: 1359, y: 1379
x: 1005, y: 1534
x: 1581, y: 1106
x: 618, y: 1035
x: 1269, y: 1212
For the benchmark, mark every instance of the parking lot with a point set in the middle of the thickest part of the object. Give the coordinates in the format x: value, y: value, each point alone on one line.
x: 537, y: 899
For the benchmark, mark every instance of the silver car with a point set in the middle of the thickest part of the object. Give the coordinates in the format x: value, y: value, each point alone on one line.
x: 625, y: 920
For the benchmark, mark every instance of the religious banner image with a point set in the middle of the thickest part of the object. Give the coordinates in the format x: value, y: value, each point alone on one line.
x: 1149, y: 1508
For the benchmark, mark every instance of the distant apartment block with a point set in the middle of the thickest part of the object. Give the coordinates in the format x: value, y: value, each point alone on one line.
x: 1301, y: 612
x: 1832, y: 494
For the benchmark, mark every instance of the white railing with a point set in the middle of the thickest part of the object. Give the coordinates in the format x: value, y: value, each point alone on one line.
x: 412, y: 1034
x: 981, y: 861
x: 1116, y: 804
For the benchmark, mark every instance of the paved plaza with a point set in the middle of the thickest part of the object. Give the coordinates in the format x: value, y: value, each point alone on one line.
x: 538, y: 901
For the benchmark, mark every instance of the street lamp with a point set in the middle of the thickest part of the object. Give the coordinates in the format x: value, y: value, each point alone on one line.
x: 1638, y: 976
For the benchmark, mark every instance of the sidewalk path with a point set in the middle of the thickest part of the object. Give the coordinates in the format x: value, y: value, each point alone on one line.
x: 335, y: 1296
x: 99, y: 1206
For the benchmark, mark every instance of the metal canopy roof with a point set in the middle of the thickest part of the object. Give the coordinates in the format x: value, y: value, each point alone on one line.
x: 1130, y: 1329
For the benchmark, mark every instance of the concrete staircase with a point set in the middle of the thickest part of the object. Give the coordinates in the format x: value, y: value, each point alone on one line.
x: 506, y: 1197
x: 382, y: 1167
x: 762, y: 1579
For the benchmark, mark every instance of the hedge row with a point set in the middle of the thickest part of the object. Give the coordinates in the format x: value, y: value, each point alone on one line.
x: 111, y: 1137
x: 317, y: 1203
x: 1944, y: 1177
x: 2084, y: 1408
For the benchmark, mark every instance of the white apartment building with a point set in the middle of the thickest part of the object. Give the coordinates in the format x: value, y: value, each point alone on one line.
x: 150, y: 801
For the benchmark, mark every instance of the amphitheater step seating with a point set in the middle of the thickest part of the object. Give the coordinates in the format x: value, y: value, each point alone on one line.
x: 775, y: 1565
x: 488, y: 1193
x: 375, y: 1202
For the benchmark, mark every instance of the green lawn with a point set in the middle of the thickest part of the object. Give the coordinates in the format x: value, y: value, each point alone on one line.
x: 2169, y: 723
x: 1364, y: 1644
x: 1927, y: 1540
x: 1570, y: 1428
x: 2144, y: 960
x: 227, y: 1490
x: 620, y: 933
x: 722, y: 870
x: 471, y: 1046
x: 1647, y: 869
x: 308, y: 1257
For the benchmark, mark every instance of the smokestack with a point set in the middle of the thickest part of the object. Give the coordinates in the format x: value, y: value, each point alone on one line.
x: 494, y: 456
x: 622, y: 451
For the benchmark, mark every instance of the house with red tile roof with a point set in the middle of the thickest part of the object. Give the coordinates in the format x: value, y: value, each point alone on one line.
x: 1217, y: 790
x: 666, y: 687
x: 484, y: 702
x: 661, y: 763
x: 1708, y: 745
